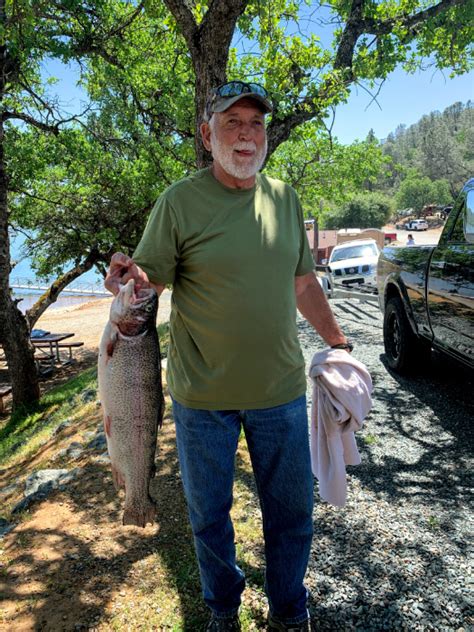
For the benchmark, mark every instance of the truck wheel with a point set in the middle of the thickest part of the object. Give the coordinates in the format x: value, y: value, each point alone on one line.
x: 404, y: 351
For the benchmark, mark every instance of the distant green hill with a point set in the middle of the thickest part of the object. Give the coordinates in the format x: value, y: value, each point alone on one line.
x: 440, y: 146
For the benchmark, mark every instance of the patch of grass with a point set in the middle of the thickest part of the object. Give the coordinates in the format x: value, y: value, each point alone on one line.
x: 370, y: 439
x: 28, y: 428
x: 433, y: 522
x: 164, y: 337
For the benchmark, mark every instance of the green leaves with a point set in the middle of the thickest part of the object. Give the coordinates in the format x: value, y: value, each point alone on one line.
x: 323, y: 171
x: 417, y: 192
x: 367, y: 210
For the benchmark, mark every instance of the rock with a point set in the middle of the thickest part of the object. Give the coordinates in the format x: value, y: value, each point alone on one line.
x: 5, y: 527
x: 73, y: 451
x: 102, y: 458
x: 41, y: 483
x: 88, y: 395
x: 99, y: 442
x: 64, y: 424
x: 5, y: 491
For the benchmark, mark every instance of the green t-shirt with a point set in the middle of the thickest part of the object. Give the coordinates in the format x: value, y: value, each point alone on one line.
x: 232, y: 256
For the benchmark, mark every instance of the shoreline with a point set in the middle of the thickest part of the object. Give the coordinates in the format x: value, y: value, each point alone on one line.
x: 26, y: 301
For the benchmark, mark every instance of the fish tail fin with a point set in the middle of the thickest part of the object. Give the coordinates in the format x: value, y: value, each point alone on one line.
x: 140, y: 516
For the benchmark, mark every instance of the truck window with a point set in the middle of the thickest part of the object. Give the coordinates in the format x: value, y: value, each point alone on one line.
x: 469, y: 217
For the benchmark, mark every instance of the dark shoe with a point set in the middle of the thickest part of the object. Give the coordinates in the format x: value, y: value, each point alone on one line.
x: 274, y: 624
x: 230, y: 624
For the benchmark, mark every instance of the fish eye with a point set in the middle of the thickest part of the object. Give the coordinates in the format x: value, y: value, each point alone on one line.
x: 148, y: 308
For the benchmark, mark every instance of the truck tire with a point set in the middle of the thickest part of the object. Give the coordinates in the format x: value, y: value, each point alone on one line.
x: 404, y: 351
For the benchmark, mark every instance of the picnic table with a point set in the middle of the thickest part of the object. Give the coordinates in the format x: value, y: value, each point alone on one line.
x: 50, y: 344
x: 47, y: 352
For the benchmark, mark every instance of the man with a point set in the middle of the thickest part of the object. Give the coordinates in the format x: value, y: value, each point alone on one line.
x: 232, y: 243
x: 410, y: 241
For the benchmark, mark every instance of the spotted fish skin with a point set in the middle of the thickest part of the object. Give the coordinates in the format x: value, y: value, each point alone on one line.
x: 131, y: 394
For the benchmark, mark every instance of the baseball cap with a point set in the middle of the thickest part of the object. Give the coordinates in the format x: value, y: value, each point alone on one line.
x: 225, y: 95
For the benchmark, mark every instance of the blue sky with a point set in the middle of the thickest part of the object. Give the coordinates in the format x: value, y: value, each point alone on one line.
x: 403, y: 99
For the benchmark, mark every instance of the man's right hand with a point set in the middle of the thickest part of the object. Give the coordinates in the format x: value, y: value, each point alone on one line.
x: 122, y: 269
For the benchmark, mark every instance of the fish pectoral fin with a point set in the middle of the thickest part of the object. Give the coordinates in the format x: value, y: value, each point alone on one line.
x: 107, y: 420
x: 119, y: 480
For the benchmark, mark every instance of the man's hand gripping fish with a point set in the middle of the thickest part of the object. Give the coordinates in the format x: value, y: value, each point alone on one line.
x: 131, y: 394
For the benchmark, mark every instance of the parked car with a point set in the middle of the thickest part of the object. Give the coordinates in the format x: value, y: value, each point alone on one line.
x: 354, y: 262
x: 417, y: 224
x: 427, y: 293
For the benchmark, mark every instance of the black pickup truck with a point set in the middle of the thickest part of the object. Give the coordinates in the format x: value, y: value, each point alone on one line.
x: 427, y: 293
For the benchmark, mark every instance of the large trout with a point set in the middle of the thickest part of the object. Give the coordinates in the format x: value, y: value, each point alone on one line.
x: 131, y: 394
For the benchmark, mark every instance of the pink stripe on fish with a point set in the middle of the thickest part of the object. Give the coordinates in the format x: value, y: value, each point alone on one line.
x: 107, y: 425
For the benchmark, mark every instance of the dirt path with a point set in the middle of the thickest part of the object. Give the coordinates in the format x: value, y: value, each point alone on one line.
x: 421, y: 237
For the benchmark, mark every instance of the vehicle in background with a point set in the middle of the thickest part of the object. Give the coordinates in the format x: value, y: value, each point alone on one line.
x: 389, y: 237
x: 427, y: 293
x: 354, y: 262
x: 417, y: 224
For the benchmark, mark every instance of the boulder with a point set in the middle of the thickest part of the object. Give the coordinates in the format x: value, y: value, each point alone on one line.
x: 39, y: 484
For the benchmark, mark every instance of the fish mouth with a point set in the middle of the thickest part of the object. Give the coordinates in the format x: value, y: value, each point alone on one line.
x: 133, y: 310
x: 134, y: 296
x: 141, y: 296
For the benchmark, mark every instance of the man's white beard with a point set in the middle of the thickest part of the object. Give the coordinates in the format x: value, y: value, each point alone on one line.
x: 225, y: 156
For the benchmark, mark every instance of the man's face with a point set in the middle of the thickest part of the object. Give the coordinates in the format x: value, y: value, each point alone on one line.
x: 237, y: 139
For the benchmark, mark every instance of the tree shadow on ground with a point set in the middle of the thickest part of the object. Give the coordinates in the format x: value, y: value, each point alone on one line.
x: 66, y: 578
x: 72, y: 577
x: 430, y: 417
x: 363, y: 576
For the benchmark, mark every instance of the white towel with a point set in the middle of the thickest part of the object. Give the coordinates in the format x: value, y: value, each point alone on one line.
x: 342, y: 390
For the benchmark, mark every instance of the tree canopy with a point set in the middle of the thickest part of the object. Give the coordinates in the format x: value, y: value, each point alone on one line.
x: 369, y: 210
x: 416, y: 192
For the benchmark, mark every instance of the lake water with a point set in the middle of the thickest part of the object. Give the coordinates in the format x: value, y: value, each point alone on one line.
x: 22, y: 270
x: 29, y: 299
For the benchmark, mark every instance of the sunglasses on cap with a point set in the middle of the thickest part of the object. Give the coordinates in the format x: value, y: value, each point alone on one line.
x: 224, y: 95
x: 236, y: 88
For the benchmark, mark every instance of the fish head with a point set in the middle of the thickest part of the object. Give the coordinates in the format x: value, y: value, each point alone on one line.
x: 133, y: 311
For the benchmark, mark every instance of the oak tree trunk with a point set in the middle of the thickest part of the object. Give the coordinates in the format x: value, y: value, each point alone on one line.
x: 14, y: 330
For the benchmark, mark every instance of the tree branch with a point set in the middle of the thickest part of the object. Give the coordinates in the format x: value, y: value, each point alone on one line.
x: 279, y: 130
x: 51, y: 295
x: 410, y: 22
x: 21, y: 116
x: 218, y: 25
x: 350, y: 35
x: 121, y: 27
x: 185, y: 21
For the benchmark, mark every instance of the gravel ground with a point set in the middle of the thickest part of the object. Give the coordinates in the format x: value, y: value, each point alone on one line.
x: 396, y: 556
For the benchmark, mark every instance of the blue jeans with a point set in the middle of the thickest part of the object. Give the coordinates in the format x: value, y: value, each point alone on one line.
x: 278, y: 443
